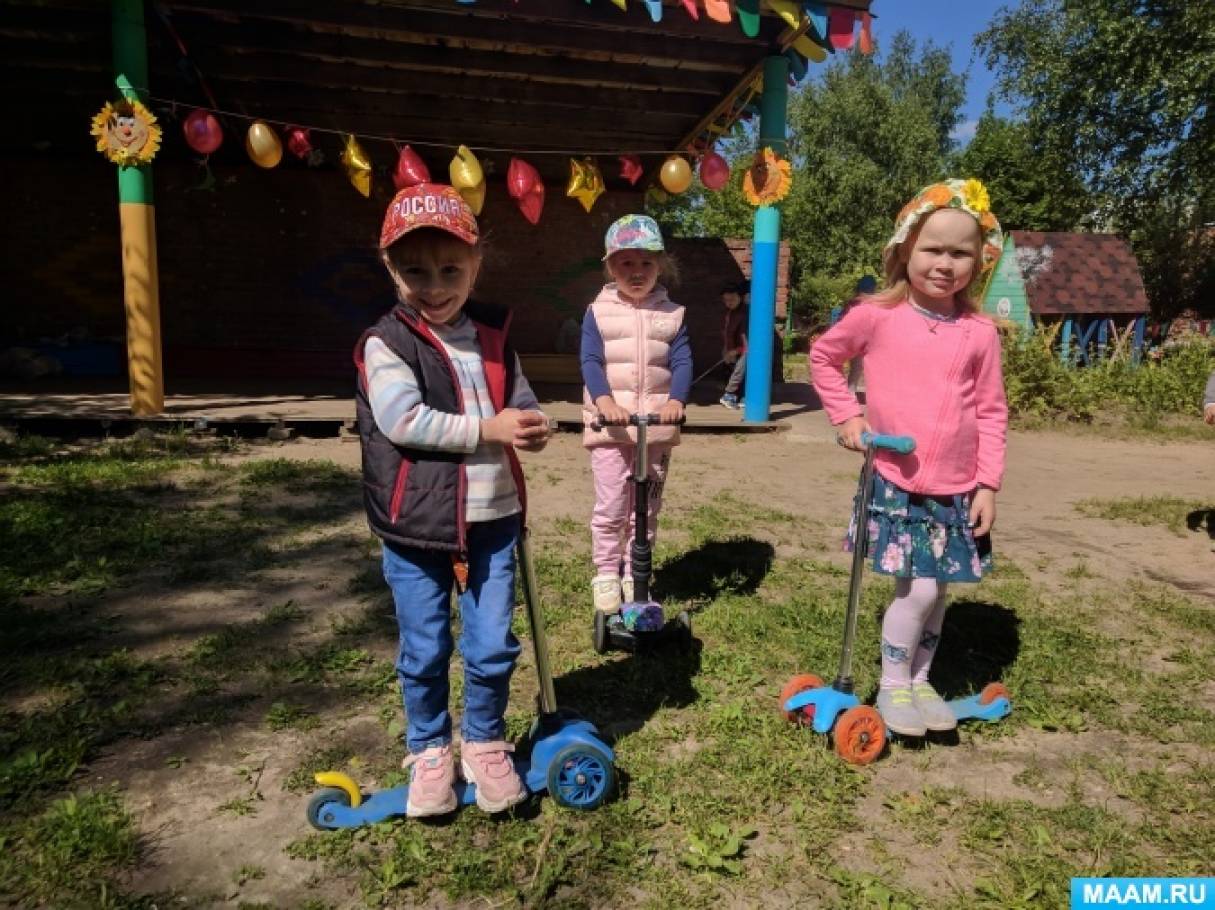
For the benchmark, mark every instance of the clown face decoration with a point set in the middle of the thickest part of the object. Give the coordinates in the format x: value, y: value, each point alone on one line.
x: 126, y: 132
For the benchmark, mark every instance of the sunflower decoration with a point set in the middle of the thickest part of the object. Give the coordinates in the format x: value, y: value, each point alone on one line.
x: 127, y: 133
x: 768, y: 179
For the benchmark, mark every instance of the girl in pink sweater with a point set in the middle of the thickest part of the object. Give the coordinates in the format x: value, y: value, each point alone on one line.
x: 932, y: 372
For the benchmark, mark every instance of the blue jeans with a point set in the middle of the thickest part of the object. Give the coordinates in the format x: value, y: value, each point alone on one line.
x: 421, y: 583
x: 734, y: 383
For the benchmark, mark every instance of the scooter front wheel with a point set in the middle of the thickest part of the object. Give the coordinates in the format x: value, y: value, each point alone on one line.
x: 317, y: 816
x: 599, y: 638
x: 860, y: 735
x: 580, y: 777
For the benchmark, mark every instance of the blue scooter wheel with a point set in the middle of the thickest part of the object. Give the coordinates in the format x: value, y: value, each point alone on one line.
x: 318, y: 817
x: 580, y: 777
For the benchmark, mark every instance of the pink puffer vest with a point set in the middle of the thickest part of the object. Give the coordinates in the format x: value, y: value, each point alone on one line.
x: 637, y: 352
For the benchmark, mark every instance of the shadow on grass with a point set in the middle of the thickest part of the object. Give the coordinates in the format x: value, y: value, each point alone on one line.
x: 715, y: 568
x: 979, y: 641
x: 621, y: 695
x: 1201, y: 519
x: 78, y: 525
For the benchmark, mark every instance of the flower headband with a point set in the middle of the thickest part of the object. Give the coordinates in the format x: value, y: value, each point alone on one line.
x: 969, y: 196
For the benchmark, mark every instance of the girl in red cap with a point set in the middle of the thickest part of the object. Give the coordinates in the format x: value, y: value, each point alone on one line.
x: 442, y: 406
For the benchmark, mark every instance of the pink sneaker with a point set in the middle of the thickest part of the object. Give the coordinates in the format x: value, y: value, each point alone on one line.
x: 489, y: 767
x: 431, y: 786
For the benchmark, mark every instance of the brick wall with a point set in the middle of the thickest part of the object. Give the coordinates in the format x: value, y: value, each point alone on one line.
x: 273, y: 274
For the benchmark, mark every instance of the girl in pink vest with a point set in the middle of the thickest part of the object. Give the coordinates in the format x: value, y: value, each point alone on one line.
x: 932, y: 372
x: 635, y: 360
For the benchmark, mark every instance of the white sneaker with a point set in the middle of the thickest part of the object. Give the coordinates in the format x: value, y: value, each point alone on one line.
x: 605, y: 590
x: 626, y: 589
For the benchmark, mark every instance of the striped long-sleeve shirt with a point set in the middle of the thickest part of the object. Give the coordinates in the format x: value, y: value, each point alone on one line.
x: 402, y: 416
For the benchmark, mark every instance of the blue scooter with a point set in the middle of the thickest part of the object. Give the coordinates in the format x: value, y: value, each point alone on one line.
x: 859, y: 732
x: 566, y: 756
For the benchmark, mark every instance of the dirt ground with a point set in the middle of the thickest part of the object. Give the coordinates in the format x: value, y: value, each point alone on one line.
x: 802, y: 470
x: 175, y: 782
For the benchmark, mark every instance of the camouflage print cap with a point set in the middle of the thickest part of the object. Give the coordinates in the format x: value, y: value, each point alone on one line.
x: 633, y: 232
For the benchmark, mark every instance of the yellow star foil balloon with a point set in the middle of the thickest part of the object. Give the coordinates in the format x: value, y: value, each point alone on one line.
x: 126, y: 133
x: 585, y: 183
x: 468, y: 178
x: 357, y: 165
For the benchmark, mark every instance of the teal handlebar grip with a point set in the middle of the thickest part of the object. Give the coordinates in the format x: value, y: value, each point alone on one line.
x: 904, y: 445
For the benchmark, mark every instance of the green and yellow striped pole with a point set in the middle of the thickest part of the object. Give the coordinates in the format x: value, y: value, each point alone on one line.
x: 137, y: 216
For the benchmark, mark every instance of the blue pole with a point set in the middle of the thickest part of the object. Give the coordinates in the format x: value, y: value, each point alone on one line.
x: 765, y: 250
x: 1137, y: 351
x: 1066, y: 344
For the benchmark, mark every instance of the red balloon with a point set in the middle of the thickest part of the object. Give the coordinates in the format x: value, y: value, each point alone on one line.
x: 299, y: 141
x: 532, y: 204
x: 526, y: 188
x: 203, y: 132
x: 410, y: 171
x: 630, y: 168
x: 714, y: 171
x: 520, y: 178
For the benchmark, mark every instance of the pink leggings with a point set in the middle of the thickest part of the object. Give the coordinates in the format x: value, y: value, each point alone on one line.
x: 911, y: 629
x: 612, y: 520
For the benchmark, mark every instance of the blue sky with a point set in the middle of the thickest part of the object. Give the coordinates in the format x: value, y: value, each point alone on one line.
x: 952, y: 23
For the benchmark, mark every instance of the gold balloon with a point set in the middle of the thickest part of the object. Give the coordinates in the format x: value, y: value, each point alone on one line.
x: 263, y: 145
x: 468, y: 178
x: 357, y: 165
x: 676, y: 175
x: 585, y: 183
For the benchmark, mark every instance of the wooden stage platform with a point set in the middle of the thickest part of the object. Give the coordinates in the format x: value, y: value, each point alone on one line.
x: 97, y: 407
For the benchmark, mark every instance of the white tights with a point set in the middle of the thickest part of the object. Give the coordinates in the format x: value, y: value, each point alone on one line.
x: 911, y: 630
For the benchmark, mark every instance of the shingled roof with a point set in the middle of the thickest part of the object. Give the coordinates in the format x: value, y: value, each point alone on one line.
x: 1069, y: 274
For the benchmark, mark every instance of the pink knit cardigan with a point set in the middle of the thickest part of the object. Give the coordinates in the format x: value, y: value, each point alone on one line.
x: 939, y: 382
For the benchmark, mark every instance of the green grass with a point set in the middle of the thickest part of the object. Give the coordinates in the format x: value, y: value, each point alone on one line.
x: 73, y: 854
x: 1166, y: 511
x: 719, y: 797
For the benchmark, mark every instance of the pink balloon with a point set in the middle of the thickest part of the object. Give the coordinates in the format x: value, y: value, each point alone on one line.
x: 714, y: 171
x: 299, y: 141
x: 202, y: 131
x: 630, y: 168
x: 411, y: 170
x: 526, y: 188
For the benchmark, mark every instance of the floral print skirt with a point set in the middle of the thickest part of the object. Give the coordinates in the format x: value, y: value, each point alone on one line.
x: 912, y: 535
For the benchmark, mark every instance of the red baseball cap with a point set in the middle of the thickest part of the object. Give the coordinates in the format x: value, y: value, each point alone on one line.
x: 430, y: 205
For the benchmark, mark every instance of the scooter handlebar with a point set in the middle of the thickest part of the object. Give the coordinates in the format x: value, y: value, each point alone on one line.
x: 904, y: 445
x: 650, y: 420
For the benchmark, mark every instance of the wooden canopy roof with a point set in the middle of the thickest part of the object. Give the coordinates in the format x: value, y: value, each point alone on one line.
x: 533, y: 75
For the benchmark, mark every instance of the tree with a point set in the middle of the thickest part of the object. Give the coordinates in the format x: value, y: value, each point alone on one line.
x: 864, y: 135
x: 1122, y: 90
x: 1031, y: 189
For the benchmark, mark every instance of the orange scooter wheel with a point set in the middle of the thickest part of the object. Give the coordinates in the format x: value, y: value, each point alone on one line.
x: 860, y: 735
x: 992, y: 691
x: 800, y: 683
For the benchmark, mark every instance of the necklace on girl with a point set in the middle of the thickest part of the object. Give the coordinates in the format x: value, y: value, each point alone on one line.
x: 932, y: 319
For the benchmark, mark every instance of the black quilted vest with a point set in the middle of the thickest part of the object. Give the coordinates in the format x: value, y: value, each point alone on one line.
x: 415, y: 497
